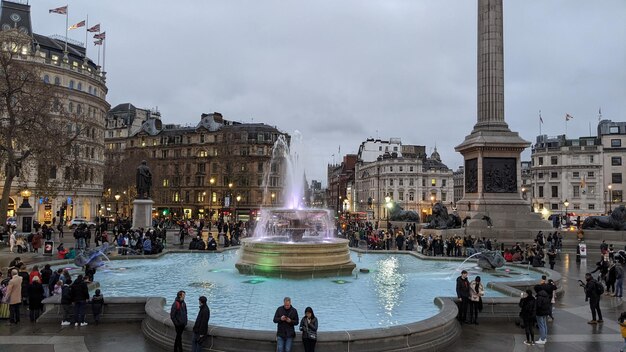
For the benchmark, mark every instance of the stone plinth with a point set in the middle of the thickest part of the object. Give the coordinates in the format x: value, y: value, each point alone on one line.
x: 142, y: 213
x: 24, y: 216
x: 295, y: 259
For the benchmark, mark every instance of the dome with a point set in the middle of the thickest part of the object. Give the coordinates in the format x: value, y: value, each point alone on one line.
x: 435, y: 155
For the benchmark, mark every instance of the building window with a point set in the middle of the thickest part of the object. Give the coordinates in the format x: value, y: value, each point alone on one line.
x: 400, y: 195
x: 554, y: 206
x: 411, y: 196
x: 391, y: 168
x: 410, y: 168
x: 201, y: 138
x: 57, y: 80
x: 391, y: 182
x: 554, y: 160
x: 540, y: 175
x: 443, y: 183
x: 444, y: 196
x: 540, y: 191
x: 554, y: 175
x: 71, y: 86
x: 79, y: 86
x: 46, y: 79
x: 540, y: 161
x: 576, y: 174
x: 616, y: 143
x: 200, y: 197
x: 617, y: 196
x: 591, y: 206
x: 590, y: 159
x: 52, y: 172
x: 614, y: 129
x: 576, y: 191
x: 591, y: 174
x: 411, y: 182
x: 592, y: 189
x: 433, y: 182
x: 400, y: 168
x: 616, y: 160
x: 401, y: 182
x: 616, y: 177
x: 555, y: 191
x: 423, y: 182
x: 576, y: 206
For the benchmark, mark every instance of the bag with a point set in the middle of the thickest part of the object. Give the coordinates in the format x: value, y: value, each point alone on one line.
x: 312, y: 335
x: 4, y: 310
x: 599, y: 288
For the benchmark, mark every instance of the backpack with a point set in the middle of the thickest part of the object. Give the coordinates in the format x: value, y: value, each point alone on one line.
x: 599, y: 288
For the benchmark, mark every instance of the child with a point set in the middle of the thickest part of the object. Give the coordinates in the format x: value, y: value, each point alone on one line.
x: 58, y: 288
x: 97, y: 302
x: 622, y: 324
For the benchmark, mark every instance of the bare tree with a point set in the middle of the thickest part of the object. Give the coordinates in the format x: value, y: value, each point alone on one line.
x: 36, y: 130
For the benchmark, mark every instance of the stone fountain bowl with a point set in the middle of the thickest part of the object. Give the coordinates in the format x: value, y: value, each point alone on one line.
x: 280, y: 257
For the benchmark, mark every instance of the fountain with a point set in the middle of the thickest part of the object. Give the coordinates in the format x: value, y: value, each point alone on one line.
x: 293, y: 241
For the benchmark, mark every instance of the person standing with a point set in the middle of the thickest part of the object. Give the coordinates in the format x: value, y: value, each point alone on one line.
x: 14, y: 292
x: 528, y: 315
x: 286, y: 317
x: 308, y: 326
x: 201, y: 327
x: 552, y: 257
x: 178, y: 314
x: 35, y: 296
x: 622, y: 327
x: 477, y: 292
x: 66, y: 302
x: 593, y: 292
x: 97, y: 302
x: 463, y: 294
x: 542, y: 304
x: 619, y: 279
x: 80, y: 296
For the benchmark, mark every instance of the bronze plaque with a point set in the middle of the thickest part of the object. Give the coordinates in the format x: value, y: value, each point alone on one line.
x: 500, y: 175
x: 471, y: 176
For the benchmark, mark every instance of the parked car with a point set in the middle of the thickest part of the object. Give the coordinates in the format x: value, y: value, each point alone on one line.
x: 75, y: 222
x: 12, y: 221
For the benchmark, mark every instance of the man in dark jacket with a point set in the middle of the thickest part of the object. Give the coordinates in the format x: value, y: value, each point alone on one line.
x: 66, y: 303
x: 542, y: 305
x: 286, y: 317
x: 463, y: 294
x: 178, y: 314
x: 80, y: 296
x: 592, y: 295
x: 201, y: 327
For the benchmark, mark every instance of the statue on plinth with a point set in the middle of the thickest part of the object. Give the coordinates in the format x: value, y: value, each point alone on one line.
x: 441, y: 220
x: 616, y: 221
x: 144, y: 181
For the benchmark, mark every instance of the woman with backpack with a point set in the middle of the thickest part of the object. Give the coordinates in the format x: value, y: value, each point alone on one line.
x: 178, y: 314
x: 528, y: 315
x: 593, y: 292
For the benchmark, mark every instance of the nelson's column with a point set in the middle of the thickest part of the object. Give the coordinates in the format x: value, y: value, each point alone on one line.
x: 491, y: 151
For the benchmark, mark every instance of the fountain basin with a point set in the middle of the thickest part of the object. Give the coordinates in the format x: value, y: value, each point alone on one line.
x: 280, y: 257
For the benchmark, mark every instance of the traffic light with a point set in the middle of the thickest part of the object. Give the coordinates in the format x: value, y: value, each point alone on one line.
x: 166, y: 212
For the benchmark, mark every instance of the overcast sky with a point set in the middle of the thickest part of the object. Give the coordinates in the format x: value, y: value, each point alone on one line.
x: 343, y: 71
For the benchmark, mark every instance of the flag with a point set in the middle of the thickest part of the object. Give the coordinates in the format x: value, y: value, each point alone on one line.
x: 97, y: 42
x: 77, y: 25
x: 540, y: 118
x: 59, y: 10
x: 102, y: 35
x: 568, y: 117
x: 95, y: 28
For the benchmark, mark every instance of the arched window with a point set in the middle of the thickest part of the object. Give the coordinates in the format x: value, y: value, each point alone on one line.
x: 57, y: 80
x: 46, y: 79
x: 79, y: 108
x: 90, y: 89
x: 80, y: 86
x: 71, y: 107
x: 71, y: 84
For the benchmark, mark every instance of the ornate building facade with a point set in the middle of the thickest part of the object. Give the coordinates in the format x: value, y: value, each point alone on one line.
x: 216, y: 168
x: 84, y: 90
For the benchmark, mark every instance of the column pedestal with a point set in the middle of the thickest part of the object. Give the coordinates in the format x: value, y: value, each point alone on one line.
x: 142, y: 213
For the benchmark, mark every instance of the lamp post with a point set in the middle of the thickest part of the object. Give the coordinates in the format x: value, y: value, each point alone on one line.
x: 388, y: 204
x: 236, y: 205
x: 273, y: 198
x: 566, y: 204
x: 117, y: 204
x: 610, y: 198
x: 211, y: 182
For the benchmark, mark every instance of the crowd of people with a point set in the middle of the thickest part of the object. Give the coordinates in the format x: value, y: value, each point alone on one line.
x: 22, y: 288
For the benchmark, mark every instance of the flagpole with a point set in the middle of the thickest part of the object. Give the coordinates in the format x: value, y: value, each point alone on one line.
x: 86, y: 33
x: 104, y: 55
x: 98, y: 55
x: 540, y: 122
x: 67, y: 11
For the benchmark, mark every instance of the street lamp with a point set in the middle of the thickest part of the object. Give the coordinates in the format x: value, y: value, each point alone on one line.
x: 610, y: 198
x: 211, y: 182
x: 388, y: 204
x: 237, y: 204
x: 273, y: 197
x: 117, y: 204
x: 25, y: 193
x: 566, y: 204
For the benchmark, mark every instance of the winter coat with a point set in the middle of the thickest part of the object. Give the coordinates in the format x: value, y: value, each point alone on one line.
x: 285, y: 329
x: 462, y: 287
x: 474, y: 294
x: 97, y: 302
x: 591, y: 289
x: 80, y: 291
x: 542, y: 304
x: 528, y: 311
x: 201, y: 326
x: 307, y: 327
x: 14, y: 290
x: 178, y: 313
x: 35, y: 296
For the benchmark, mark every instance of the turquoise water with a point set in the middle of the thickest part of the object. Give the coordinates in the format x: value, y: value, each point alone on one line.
x: 399, y: 289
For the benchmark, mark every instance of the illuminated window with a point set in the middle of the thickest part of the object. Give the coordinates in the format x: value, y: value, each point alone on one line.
x: 433, y: 182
